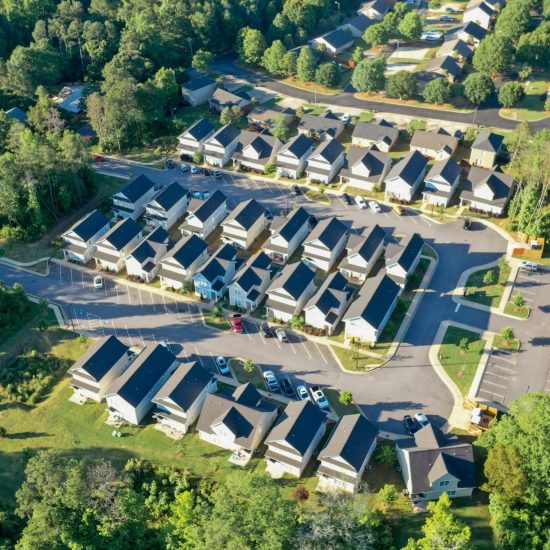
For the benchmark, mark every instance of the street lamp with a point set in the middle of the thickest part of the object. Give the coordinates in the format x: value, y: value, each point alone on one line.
x: 190, y: 40
x: 338, y: 4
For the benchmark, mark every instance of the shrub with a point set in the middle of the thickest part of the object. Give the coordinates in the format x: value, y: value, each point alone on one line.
x: 385, y: 454
x: 346, y: 398
x: 198, y: 157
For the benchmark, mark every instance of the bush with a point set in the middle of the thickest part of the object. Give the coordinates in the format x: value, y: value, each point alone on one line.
x: 327, y: 75
x: 270, y: 168
x: 346, y: 398
x: 385, y: 454
x: 198, y: 157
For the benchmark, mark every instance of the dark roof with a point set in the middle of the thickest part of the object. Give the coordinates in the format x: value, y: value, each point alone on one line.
x: 198, y: 83
x: 351, y: 441
x: 330, y: 150
x: 482, y: 6
x: 136, y: 188
x: 246, y: 214
x: 247, y: 394
x: 210, y: 205
x: 218, y: 264
x: 141, y: 376
x: 337, y: 38
x: 500, y: 184
x: 455, y: 45
x: 406, y: 252
x: 294, y: 279
x: 321, y: 124
x: 299, y: 145
x: 361, y: 22
x: 17, y: 114
x: 409, y: 167
x: 297, y: 426
x: 294, y: 222
x: 329, y: 231
x: 333, y: 293
x: 375, y: 132
x: 122, y: 233
x: 225, y: 135
x: 223, y: 98
x: 100, y: 358
x: 200, y: 129
x: 374, y: 300
x: 149, y: 247
x: 381, y: 6
x: 254, y: 272
x: 488, y: 141
x: 372, y: 159
x: 436, y: 141
x: 262, y: 144
x: 445, y: 63
x: 447, y: 170
x: 89, y: 225
x: 475, y: 30
x: 183, y: 387
x: 170, y: 195
x: 187, y: 250
x: 366, y: 245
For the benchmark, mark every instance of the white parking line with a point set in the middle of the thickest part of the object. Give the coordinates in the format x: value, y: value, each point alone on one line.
x: 141, y: 336
x: 190, y: 313
x: 177, y: 309
x: 215, y: 364
x: 320, y: 353
x: 500, y: 358
x: 307, y: 351
x: 504, y: 377
x: 165, y: 308
x: 491, y: 393
x: 493, y: 384
x: 386, y: 215
x: 245, y: 331
x: 492, y: 365
x: 413, y: 220
x: 292, y: 347
x: 425, y: 221
x: 152, y: 301
x: 71, y: 276
x: 128, y: 333
x: 140, y: 298
x: 277, y: 342
x: 82, y: 278
x: 117, y: 296
x: 198, y: 356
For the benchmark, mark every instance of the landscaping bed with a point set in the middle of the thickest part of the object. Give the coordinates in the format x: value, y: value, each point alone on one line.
x: 500, y: 343
x: 355, y: 361
x: 487, y: 294
x: 333, y: 396
x: 255, y: 377
x: 519, y: 312
x: 218, y: 322
x: 316, y: 196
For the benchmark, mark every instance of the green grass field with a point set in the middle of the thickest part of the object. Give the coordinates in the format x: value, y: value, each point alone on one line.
x: 254, y: 377
x: 355, y: 362
x: 487, y: 295
x: 333, y: 396
x: 221, y: 323
x: 500, y: 343
x: 520, y: 312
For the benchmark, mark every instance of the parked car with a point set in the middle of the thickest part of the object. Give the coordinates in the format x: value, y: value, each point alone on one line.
x: 450, y: 10
x: 170, y: 164
x: 217, y: 174
x: 296, y: 190
x: 237, y: 324
x: 98, y: 281
x: 222, y: 365
x: 303, y: 394
x: 410, y: 424
x: 375, y: 207
x: 467, y: 225
x: 205, y: 194
x: 99, y: 158
x: 432, y: 36
x: 422, y: 419
x: 319, y: 397
x: 528, y: 266
x: 196, y: 194
x: 346, y: 117
x: 266, y: 331
x: 194, y: 169
x: 281, y: 335
x: 288, y: 390
x: 398, y: 209
x: 206, y: 172
x: 313, y: 221
x: 447, y: 18
x: 346, y: 199
x: 360, y: 202
x: 271, y: 382
x: 183, y: 167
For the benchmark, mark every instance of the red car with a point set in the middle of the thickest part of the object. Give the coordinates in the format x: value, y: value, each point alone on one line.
x: 99, y: 158
x: 237, y: 324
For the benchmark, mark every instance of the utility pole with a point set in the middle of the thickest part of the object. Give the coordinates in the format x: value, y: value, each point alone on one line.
x: 190, y: 40
x: 338, y: 4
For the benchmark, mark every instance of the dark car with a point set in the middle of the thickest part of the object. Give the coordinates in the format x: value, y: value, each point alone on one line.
x: 346, y: 199
x: 217, y: 174
x: 313, y: 221
x: 266, y: 331
x: 467, y: 224
x: 288, y: 390
x: 206, y: 172
x: 296, y: 190
x: 170, y: 164
x: 410, y: 424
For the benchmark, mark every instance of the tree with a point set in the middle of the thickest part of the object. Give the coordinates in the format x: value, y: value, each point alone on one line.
x: 327, y: 74
x: 442, y: 530
x: 388, y: 495
x: 376, y: 35
x: 306, y: 65
x: 290, y: 63
x: 411, y: 26
x: 231, y: 115
x: 252, y: 45
x: 464, y: 345
x: 489, y: 278
x: 280, y: 130
x: 42, y: 325
x: 198, y: 157
x: 202, y: 60
x: 533, y: 47
x: 357, y: 54
x: 217, y: 311
x: 513, y: 20
x: 346, y: 398
x: 3, y: 432
x: 510, y: 94
x: 508, y: 334
x: 273, y: 59
x: 385, y: 454
x: 437, y: 91
x: 298, y: 322
x: 187, y: 286
x: 368, y: 76
x: 478, y: 88
x: 519, y: 302
x: 402, y: 85
x: 249, y: 365
x: 493, y: 56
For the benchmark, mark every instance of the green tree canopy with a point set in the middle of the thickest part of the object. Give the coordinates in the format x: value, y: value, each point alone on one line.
x: 327, y: 74
x: 493, y: 56
x: 376, y: 34
x: 510, y: 94
x: 274, y: 59
x: 202, y: 60
x: 411, y: 26
x: 513, y: 20
x: 368, y: 75
x: 478, y: 88
x: 251, y: 45
x: 402, y: 85
x: 306, y: 65
x: 437, y: 91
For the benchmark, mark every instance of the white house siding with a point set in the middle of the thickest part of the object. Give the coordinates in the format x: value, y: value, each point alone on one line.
x: 311, y: 255
x: 315, y: 318
x: 225, y: 152
x: 200, y: 96
x: 291, y: 246
x: 179, y: 272
x: 367, y: 143
x: 297, y: 305
x: 359, y: 328
x: 88, y: 247
x: 138, y: 207
x: 489, y: 208
x: 400, y: 189
x: 233, y: 233
x: 133, y: 267
x: 320, y: 175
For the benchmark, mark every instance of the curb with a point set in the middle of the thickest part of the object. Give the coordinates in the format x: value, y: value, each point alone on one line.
x: 24, y: 265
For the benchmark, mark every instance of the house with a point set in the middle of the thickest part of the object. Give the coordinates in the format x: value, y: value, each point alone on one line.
x: 375, y: 9
x: 79, y: 241
x: 244, y: 224
x: 143, y: 261
x: 289, y: 292
x: 130, y: 396
x: 347, y: 454
x: 362, y: 252
x: 292, y: 156
x: 237, y: 421
x: 485, y: 149
x: 334, y: 42
x: 325, y: 162
x: 256, y: 153
x: 481, y: 13
x: 325, y: 244
x: 182, y: 262
x: 167, y: 207
x: 179, y: 401
x: 405, y: 178
x: 221, y: 145
x: 93, y: 373
x: 456, y: 48
x: 437, y: 145
x: 441, y: 182
x: 213, y: 277
x: 371, y: 310
x: 356, y: 26
x: 17, y: 114
x: 221, y: 99
x: 287, y: 234
x: 327, y: 306
x: 471, y: 33
x: 70, y: 98
x: 365, y: 168
x: 198, y: 90
x: 446, y: 66
x: 248, y: 288
x: 487, y: 191
x: 403, y: 257
x: 192, y: 140
x: 322, y: 127
x: 294, y: 438
x: 205, y: 215
x: 432, y: 463
x: 130, y: 201
x: 369, y: 134
x: 116, y: 244
x: 265, y: 118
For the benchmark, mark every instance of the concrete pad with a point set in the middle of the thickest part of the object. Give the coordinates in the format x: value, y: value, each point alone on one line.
x: 393, y: 68
x: 409, y: 53
x: 232, y: 83
x: 263, y: 95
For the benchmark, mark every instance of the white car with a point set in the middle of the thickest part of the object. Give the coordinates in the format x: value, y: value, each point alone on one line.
x: 98, y: 281
x: 360, y: 202
x: 281, y: 335
x: 346, y: 117
x: 319, y: 397
x: 528, y: 266
x: 194, y: 170
x: 422, y: 419
x: 303, y: 394
x: 222, y: 365
x: 375, y: 207
x: 271, y: 382
x: 432, y: 36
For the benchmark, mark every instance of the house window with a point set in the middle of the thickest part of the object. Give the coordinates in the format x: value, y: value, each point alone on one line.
x: 237, y: 292
x: 452, y: 493
x: 444, y: 483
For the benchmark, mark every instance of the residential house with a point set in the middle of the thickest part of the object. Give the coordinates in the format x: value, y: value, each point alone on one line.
x: 327, y: 306
x: 143, y: 261
x: 346, y: 455
x: 221, y: 99
x: 441, y: 182
x: 365, y: 168
x: 325, y: 244
x: 213, y: 277
x: 256, y: 153
x: 93, y: 373
x: 437, y: 145
x: 471, y: 33
x: 130, y: 396
x: 292, y: 157
x: 485, y: 149
x: 369, y: 134
x: 237, y: 421
x: 323, y: 127
x: 70, y: 98
x: 167, y: 207
x: 456, y: 48
x: 79, y: 241
x: 198, y: 90
x: 375, y: 9
x: 116, y: 244
x: 287, y: 234
x: 244, y: 224
x: 263, y: 117
x: 371, y: 310
x: 403, y: 257
x: 248, y: 288
x: 334, y: 42
x: 446, y: 66
x: 481, y: 13
x: 179, y: 401
x: 182, y: 262
x: 357, y: 25
x: 289, y: 292
x: 18, y: 114
x: 487, y: 191
x: 192, y: 140
x: 294, y: 438
x: 221, y: 145
x: 433, y: 463
x: 406, y: 177
x: 130, y: 201
x: 325, y: 162
x: 362, y: 252
x: 205, y: 215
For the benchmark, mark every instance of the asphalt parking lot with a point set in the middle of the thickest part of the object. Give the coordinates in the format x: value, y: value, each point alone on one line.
x: 501, y: 369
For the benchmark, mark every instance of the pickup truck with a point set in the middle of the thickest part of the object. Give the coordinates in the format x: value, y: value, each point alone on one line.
x: 319, y: 397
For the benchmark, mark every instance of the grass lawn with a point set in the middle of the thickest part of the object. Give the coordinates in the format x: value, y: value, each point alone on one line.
x: 355, y: 362
x: 221, y: 323
x: 314, y: 108
x: 365, y: 116
x: 255, y: 377
x: 313, y: 86
x: 487, y: 295
x: 461, y: 366
x: 317, y: 196
x: 19, y: 332
x: 521, y: 312
x: 333, y: 397
x: 500, y: 343
x: 376, y: 195
x: 531, y: 107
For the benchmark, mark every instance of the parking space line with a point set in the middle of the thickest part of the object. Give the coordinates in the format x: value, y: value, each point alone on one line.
x: 82, y: 278
x: 117, y: 295
x: 198, y: 356
x: 504, y: 377
x: 386, y: 215
x: 245, y: 330
x: 493, y: 384
x: 320, y: 353
x: 128, y: 333
x: 140, y: 298
x: 491, y: 393
x: 413, y: 220
x: 165, y: 308
x: 141, y: 336
x: 152, y: 301
x: 190, y: 313
x: 277, y: 342
x: 71, y: 276
x: 177, y: 310
x: 425, y: 221
x: 215, y: 364
x: 292, y: 347
x: 500, y: 358
x: 307, y: 351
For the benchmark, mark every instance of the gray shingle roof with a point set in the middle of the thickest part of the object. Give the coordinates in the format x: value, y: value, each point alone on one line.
x: 375, y: 132
x: 149, y: 247
x: 210, y: 205
x: 89, y: 225
x: 254, y: 272
x: 500, y: 184
x: 17, y: 114
x: 445, y: 63
x: 474, y: 30
x: 337, y: 38
x: 225, y: 135
x: 321, y: 124
x: 299, y: 145
x: 447, y: 170
x: 488, y: 141
x: 361, y: 22
x: 218, y: 264
x: 294, y: 279
x: 372, y: 159
x: 246, y: 214
x: 293, y: 223
x: 187, y: 250
x: 366, y: 245
x: 332, y: 295
x: 406, y: 252
x: 121, y: 234
x: 198, y: 83
x: 329, y: 232
x: 136, y: 188
x: 170, y: 195
x: 329, y: 150
x: 409, y: 167
x: 200, y: 129
x: 436, y: 141
x: 455, y: 46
